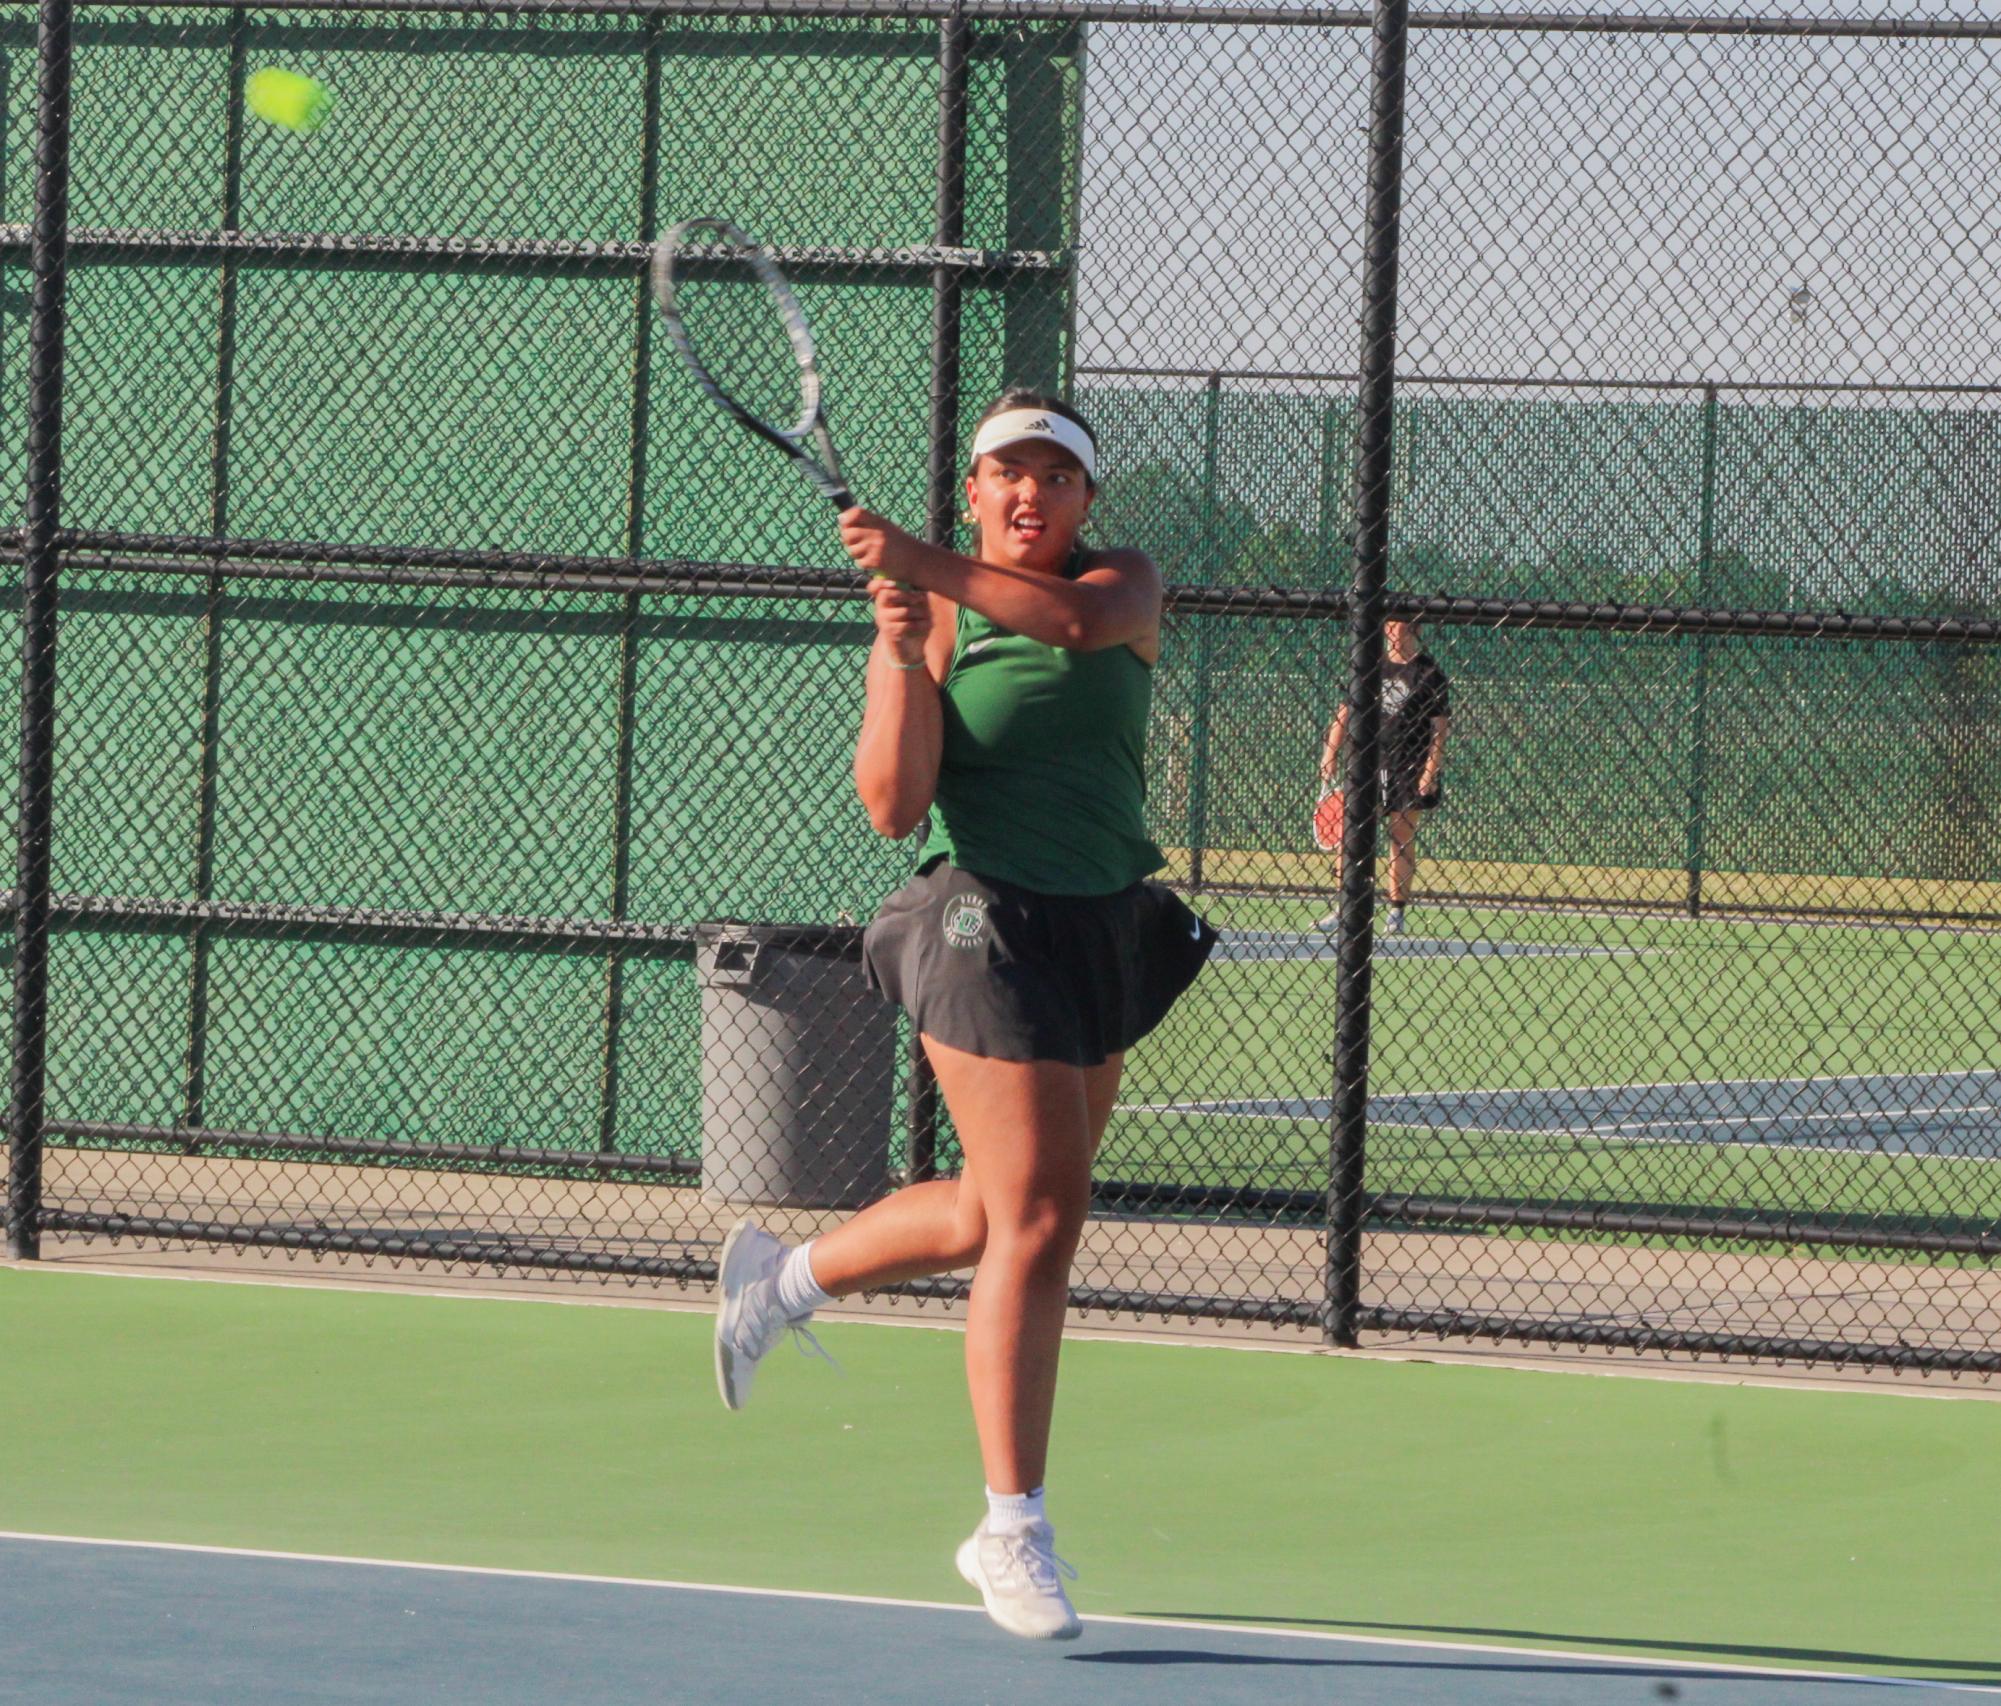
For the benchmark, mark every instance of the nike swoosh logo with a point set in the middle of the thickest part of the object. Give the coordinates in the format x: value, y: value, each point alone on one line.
x: 1195, y: 928
x: 978, y: 646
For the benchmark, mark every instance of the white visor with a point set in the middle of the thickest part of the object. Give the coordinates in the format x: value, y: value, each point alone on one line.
x: 1019, y: 424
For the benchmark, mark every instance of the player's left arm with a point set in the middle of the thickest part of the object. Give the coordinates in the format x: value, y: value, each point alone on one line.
x: 1441, y: 725
x: 1434, y: 760
x: 1114, y: 602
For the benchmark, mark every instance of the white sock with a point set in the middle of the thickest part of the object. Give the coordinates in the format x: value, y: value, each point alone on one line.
x: 799, y: 1293
x: 1008, y: 1511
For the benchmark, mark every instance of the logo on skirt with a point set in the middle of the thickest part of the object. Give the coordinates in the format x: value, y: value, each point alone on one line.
x: 966, y: 920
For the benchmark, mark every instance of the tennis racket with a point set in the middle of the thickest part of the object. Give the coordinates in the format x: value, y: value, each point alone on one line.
x: 1328, y: 818
x: 743, y: 338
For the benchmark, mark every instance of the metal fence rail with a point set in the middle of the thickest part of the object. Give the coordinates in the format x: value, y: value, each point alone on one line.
x: 414, y: 676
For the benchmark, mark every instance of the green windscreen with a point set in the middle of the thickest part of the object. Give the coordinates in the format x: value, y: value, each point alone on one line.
x: 426, y: 329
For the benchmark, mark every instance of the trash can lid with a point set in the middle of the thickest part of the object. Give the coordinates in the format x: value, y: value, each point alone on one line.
x: 832, y: 941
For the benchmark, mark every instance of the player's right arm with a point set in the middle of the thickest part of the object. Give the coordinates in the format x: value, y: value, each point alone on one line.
x: 903, y: 731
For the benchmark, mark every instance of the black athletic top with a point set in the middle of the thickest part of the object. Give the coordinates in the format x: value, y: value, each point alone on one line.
x: 1414, y: 695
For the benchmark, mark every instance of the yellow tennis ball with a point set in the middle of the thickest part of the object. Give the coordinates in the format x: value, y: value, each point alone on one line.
x: 287, y: 99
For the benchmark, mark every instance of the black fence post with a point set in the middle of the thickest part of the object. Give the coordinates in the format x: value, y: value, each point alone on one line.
x: 942, y: 491
x: 194, y: 1073
x: 1698, y: 758
x: 1204, y: 660
x: 640, y: 417
x: 941, y: 498
x: 49, y: 260
x: 1347, y: 1202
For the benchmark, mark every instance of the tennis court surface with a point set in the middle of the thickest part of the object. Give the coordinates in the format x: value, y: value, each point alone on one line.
x: 308, y: 1493
x: 1951, y: 1113
x: 196, y: 1627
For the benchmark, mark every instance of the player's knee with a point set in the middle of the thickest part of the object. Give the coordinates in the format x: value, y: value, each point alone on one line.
x: 1044, y: 1230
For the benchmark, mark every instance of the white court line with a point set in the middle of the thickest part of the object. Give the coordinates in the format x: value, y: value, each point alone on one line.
x: 1569, y: 1134
x: 1797, y: 1119
x: 1259, y: 1629
x: 1993, y: 1072
x: 1629, y: 1131
x: 1803, y: 1119
x: 1635, y: 1084
x: 1759, y: 1148
x: 1324, y: 949
x: 1237, y: 1106
x: 1271, y: 1108
x: 1427, y: 947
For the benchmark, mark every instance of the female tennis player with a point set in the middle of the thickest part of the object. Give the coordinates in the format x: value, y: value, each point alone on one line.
x: 1007, y: 699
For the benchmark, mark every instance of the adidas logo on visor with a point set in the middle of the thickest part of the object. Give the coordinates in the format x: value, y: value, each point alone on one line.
x: 1039, y: 424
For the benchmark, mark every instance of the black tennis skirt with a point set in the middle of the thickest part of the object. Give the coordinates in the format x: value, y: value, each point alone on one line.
x: 1005, y: 973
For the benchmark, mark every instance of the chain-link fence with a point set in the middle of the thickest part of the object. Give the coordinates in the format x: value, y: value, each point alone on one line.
x: 1715, y: 526
x: 436, y: 839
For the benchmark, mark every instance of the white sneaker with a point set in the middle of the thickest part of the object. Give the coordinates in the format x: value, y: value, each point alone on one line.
x: 1330, y: 923
x: 1393, y: 922
x: 748, y: 1319
x: 1021, y: 1579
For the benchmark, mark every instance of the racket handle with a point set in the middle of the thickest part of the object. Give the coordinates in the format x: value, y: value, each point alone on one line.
x: 841, y: 498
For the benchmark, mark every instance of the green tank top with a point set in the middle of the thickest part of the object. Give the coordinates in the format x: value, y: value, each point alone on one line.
x: 1043, y: 777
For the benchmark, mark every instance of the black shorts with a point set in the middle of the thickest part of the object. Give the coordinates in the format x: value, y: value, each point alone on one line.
x: 1401, y: 792
x: 1008, y: 974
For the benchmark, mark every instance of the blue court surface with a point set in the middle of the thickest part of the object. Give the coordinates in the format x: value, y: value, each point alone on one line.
x: 1938, y: 1113
x: 85, y: 1623
x: 1298, y: 945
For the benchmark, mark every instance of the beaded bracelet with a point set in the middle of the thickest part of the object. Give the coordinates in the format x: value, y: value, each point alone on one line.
x: 919, y: 664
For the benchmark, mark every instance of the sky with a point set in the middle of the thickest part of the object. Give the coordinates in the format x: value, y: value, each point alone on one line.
x: 1577, y: 205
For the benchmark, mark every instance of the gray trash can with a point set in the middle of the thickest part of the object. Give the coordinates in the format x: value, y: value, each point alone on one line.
x: 798, y: 1066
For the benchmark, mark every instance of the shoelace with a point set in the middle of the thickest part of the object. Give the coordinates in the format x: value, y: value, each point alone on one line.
x: 807, y: 1345
x: 761, y: 1338
x: 1039, y: 1564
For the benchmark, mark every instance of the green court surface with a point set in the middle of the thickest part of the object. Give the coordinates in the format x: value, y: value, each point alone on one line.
x: 1790, y: 1528
x: 1639, y: 998
x: 1482, y: 1015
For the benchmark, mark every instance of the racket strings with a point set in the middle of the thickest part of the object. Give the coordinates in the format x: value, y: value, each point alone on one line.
x: 743, y: 335
x: 737, y: 330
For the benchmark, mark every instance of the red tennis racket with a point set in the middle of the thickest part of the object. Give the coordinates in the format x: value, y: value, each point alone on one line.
x: 1327, y: 819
